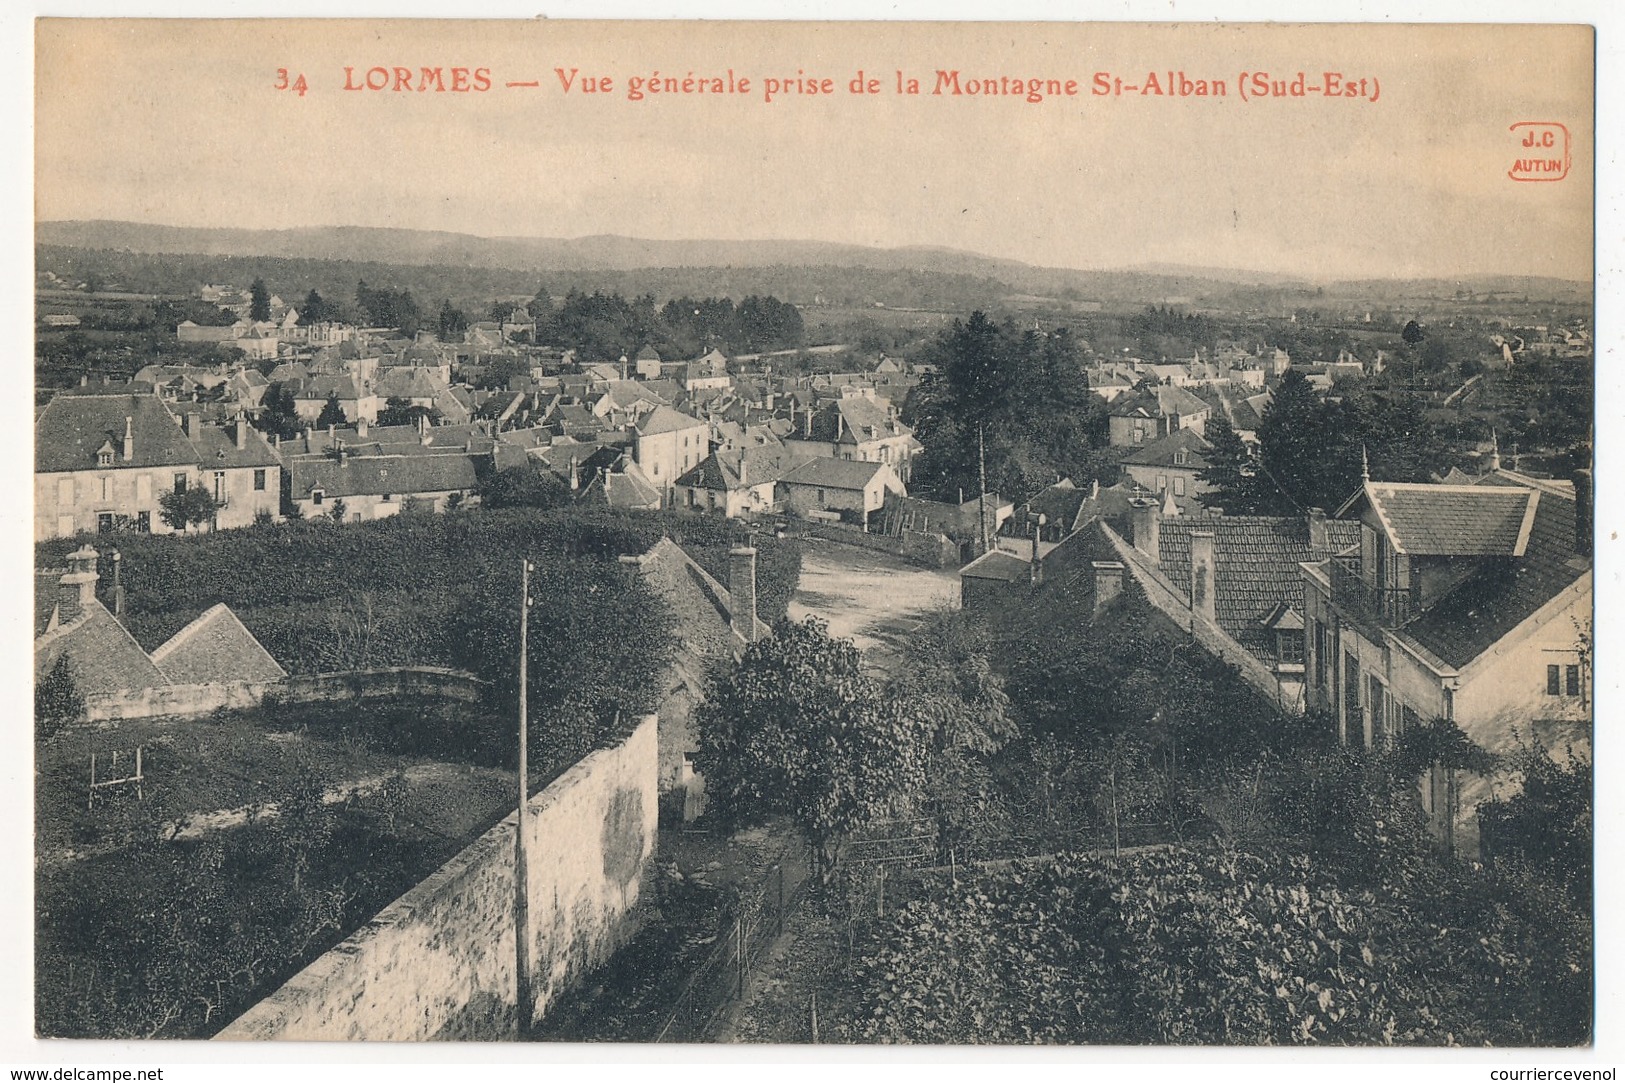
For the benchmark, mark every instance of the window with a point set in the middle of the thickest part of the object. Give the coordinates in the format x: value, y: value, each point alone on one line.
x: 316, y: 497
x: 820, y: 496
x: 1139, y: 435
x: 1379, y: 715
x: 219, y: 486
x: 387, y: 497
x: 259, y: 481
x: 1179, y: 485
x: 104, y: 522
x: 180, y: 483
x: 1181, y: 457
x: 1407, y: 721
x: 1162, y: 483
x: 1554, y: 681
x: 107, y: 487
x: 143, y: 522
x: 1289, y: 647
x: 104, y: 458
x: 1571, y: 680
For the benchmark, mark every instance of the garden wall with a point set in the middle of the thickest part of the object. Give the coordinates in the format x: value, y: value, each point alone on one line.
x: 192, y: 700
x: 438, y: 963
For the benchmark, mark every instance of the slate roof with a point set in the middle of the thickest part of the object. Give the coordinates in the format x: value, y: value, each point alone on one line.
x: 622, y: 490
x: 73, y: 428
x: 1451, y: 520
x: 1504, y: 593
x: 832, y: 473
x: 377, y: 475
x: 998, y: 565
x: 1058, y: 504
x: 663, y: 419
x: 216, y: 647
x: 1163, y: 451
x: 853, y: 420
x: 217, y: 447
x: 320, y: 387
x: 1256, y: 570
x: 720, y: 470
x: 103, y: 655
x: 406, y: 383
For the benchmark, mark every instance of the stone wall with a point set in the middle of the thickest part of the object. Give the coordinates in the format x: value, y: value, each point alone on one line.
x: 193, y: 700
x: 931, y: 550
x: 438, y: 963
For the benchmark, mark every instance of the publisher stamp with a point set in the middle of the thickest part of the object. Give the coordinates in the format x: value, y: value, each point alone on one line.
x: 1540, y: 151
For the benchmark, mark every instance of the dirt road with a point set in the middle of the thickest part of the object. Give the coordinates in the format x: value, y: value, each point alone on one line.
x: 873, y: 599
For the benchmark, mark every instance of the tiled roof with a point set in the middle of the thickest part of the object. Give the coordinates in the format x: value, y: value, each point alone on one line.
x: 216, y: 647
x: 407, y: 383
x: 720, y: 470
x: 1256, y: 570
x: 1163, y: 451
x: 73, y: 428
x: 104, y: 656
x: 1504, y: 593
x: 377, y: 475
x: 832, y: 473
x: 1451, y: 520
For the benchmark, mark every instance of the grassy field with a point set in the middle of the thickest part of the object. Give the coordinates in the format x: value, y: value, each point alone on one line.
x: 260, y: 840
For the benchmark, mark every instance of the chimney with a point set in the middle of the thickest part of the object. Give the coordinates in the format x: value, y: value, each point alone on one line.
x: 575, y: 474
x: 78, y: 585
x: 332, y: 434
x: 361, y: 428
x: 1145, y: 520
x: 242, y: 432
x: 129, y: 438
x: 1202, y: 575
x: 344, y: 453
x: 1094, y: 489
x: 1318, y: 542
x: 744, y: 470
x: 808, y: 416
x: 742, y: 589
x: 1108, y: 582
x: 1583, y: 525
x: 307, y: 439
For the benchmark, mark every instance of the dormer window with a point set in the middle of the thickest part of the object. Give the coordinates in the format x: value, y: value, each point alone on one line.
x: 104, y: 458
x: 317, y: 496
x: 1181, y: 457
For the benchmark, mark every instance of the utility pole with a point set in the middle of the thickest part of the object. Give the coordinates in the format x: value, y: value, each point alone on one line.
x: 524, y: 999
x: 981, y: 473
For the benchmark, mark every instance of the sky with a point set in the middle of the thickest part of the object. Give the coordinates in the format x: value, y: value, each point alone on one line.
x: 181, y: 124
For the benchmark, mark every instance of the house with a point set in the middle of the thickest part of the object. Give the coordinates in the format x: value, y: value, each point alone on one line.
x: 1053, y: 512
x: 831, y: 489
x: 709, y: 372
x: 239, y: 468
x: 620, y: 484
x: 102, y: 462
x: 738, y: 481
x: 857, y: 428
x: 311, y: 398
x: 666, y: 444
x: 714, y: 625
x: 1171, y: 463
x: 417, y: 386
x: 647, y: 363
x: 1470, y: 603
x: 377, y: 486
x: 1140, y: 417
x: 1236, y: 575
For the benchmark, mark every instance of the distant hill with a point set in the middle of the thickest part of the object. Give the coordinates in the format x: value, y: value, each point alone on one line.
x: 606, y: 255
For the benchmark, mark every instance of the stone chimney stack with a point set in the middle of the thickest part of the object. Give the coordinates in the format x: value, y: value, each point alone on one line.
x: 1145, y: 520
x: 744, y: 469
x: 242, y: 432
x: 1318, y: 541
x: 742, y: 590
x: 361, y: 428
x: 1108, y: 582
x: 78, y: 585
x: 129, y: 438
x: 1583, y: 522
x: 1203, y: 568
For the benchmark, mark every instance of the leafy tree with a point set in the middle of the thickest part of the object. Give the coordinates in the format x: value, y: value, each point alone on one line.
x: 279, y: 416
x: 57, y: 701
x: 453, y: 321
x: 798, y: 729
x: 182, y: 508
x: 541, y: 307
x: 332, y: 413
x: 524, y: 487
x: 338, y: 511
x: 314, y: 310
x: 259, y: 301
x: 1547, y: 824
x: 1412, y: 334
x: 1231, y: 473
x: 399, y: 411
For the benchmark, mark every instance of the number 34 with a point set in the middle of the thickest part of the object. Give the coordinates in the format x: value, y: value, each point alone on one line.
x: 297, y: 85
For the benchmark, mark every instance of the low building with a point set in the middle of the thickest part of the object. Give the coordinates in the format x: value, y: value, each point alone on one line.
x: 378, y: 486
x: 832, y: 489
